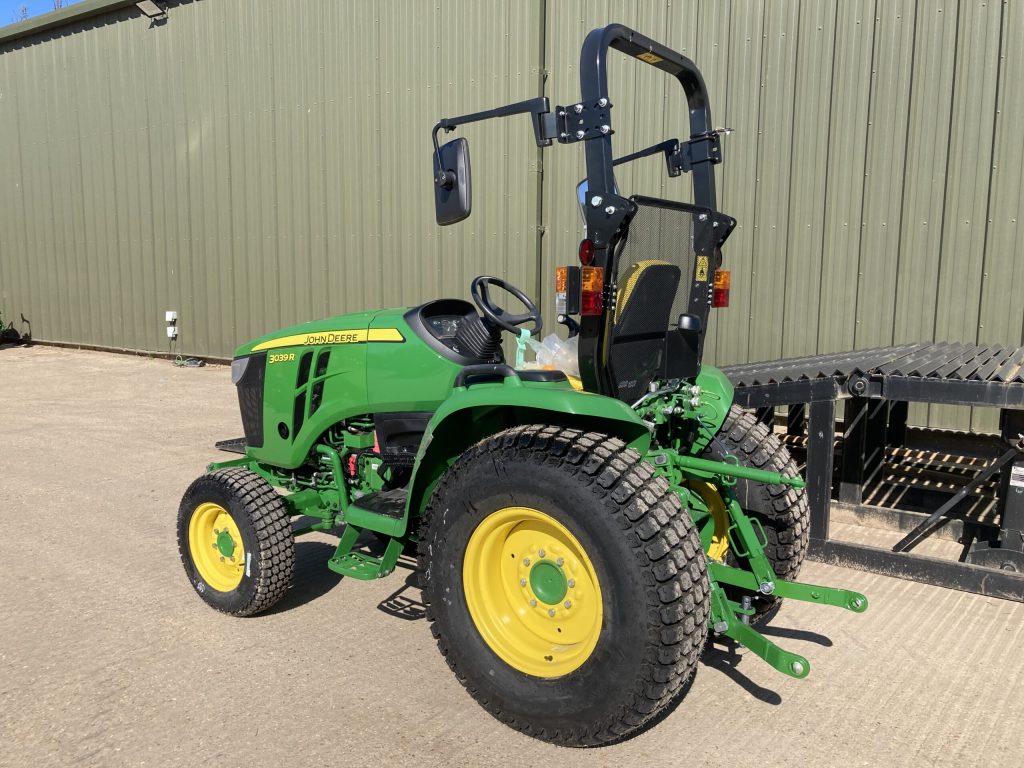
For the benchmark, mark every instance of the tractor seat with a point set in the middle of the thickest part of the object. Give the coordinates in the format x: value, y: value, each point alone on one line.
x: 640, y: 327
x: 653, y: 284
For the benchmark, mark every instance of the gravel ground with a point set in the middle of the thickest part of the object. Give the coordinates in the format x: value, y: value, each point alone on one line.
x: 108, y: 658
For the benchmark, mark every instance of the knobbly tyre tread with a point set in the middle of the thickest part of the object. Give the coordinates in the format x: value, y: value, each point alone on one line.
x: 664, y: 541
x: 270, y: 520
x: 785, y: 514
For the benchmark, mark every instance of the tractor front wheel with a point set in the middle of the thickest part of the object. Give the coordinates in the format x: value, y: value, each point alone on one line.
x: 236, y: 542
x: 566, y: 587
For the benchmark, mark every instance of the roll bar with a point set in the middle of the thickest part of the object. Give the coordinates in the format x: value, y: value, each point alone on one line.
x: 589, y: 121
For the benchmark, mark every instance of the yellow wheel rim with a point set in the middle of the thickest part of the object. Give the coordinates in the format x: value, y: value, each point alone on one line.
x: 532, y: 592
x: 215, y: 544
x: 719, y: 546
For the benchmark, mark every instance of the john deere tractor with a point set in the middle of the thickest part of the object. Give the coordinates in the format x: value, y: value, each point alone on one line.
x: 578, y: 538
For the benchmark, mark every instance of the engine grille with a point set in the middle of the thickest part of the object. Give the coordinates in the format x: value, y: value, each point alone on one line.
x: 250, y: 399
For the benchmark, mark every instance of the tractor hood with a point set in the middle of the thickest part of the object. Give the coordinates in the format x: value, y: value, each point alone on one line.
x: 340, y: 329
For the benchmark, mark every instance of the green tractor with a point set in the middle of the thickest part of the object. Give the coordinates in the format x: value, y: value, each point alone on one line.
x: 578, y: 538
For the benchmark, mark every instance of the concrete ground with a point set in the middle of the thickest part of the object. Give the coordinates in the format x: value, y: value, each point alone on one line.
x: 108, y: 658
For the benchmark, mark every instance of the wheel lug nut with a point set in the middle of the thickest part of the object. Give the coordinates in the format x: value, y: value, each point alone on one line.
x: 568, y: 603
x: 551, y: 611
x: 571, y: 583
x: 541, y: 553
x: 214, y: 546
x: 222, y: 559
x: 533, y: 603
x: 526, y: 561
x: 216, y: 530
x: 560, y: 561
x: 522, y: 582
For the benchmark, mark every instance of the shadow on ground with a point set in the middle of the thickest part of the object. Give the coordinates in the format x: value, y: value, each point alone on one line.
x: 404, y: 602
x: 722, y: 653
x: 314, y: 579
x: 312, y: 576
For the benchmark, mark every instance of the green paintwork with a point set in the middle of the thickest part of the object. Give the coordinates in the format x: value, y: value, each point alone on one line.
x: 809, y: 593
x: 716, y: 395
x: 225, y: 544
x: 389, y: 526
x: 360, y: 565
x: 354, y: 370
x: 726, y: 615
x: 724, y: 621
x: 473, y: 413
x: 722, y: 471
x: 548, y: 582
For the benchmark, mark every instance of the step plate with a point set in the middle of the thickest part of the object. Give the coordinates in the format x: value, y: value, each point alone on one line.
x: 385, y: 503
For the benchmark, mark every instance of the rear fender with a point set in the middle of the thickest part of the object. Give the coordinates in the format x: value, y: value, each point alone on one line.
x: 473, y: 413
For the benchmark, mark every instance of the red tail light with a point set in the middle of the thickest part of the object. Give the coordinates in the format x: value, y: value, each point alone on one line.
x: 586, y: 252
x: 720, y: 291
x: 592, y: 285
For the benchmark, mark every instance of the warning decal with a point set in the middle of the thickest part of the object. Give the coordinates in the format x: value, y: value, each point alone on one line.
x: 701, y: 275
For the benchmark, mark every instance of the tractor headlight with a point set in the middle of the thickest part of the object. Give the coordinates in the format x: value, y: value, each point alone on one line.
x: 238, y: 366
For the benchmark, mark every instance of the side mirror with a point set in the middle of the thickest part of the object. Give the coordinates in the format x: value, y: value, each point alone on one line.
x: 453, y: 197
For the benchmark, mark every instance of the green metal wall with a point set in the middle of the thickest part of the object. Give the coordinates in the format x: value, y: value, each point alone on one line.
x: 253, y: 163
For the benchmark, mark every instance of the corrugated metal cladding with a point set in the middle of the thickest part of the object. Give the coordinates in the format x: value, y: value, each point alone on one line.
x: 253, y: 164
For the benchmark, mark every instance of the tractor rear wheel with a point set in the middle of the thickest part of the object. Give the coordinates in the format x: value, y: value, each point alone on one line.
x: 564, y: 584
x: 236, y: 542
x: 781, y: 510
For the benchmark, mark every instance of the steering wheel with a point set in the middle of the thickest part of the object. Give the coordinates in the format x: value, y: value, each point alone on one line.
x: 500, y: 317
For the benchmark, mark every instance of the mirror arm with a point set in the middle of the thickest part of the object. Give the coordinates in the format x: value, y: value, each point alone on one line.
x: 539, y: 109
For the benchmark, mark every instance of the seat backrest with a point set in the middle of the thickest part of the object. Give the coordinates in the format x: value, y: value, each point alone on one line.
x: 645, y: 298
x: 642, y: 316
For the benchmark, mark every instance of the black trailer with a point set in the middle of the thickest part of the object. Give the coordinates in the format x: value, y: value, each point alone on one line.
x: 845, y: 466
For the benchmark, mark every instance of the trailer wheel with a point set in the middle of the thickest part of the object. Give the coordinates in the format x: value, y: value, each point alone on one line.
x: 564, y: 584
x: 782, y: 510
x: 235, y: 540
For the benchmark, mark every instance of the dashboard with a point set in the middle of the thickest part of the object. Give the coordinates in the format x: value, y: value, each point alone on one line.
x: 441, y: 324
x: 444, y: 327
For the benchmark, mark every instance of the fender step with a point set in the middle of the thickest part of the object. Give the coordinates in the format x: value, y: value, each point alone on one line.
x: 363, y: 565
x: 383, y: 511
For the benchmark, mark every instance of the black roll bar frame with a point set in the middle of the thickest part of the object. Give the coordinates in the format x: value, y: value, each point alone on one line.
x: 607, y: 213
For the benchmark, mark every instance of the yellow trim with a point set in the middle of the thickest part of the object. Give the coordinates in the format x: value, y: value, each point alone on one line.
x: 207, y: 522
x: 719, y: 546
x: 627, y: 286
x: 317, y: 338
x: 517, y: 626
x: 385, y: 334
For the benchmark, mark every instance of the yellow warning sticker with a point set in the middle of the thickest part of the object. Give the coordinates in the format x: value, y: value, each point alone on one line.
x: 650, y: 58
x: 701, y: 275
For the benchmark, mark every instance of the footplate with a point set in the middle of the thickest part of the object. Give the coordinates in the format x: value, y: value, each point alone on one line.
x: 362, y: 565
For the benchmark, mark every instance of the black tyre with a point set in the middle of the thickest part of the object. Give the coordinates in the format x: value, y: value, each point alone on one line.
x: 235, y: 540
x: 566, y: 587
x: 782, y: 510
